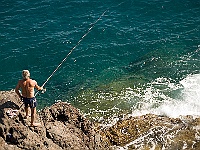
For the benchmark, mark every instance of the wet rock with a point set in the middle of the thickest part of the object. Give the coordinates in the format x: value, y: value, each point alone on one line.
x: 154, y: 132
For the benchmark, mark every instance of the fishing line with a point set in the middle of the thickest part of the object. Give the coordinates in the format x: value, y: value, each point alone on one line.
x: 88, y: 31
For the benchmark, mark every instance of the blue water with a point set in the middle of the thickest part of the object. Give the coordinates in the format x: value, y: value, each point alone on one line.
x: 140, y: 57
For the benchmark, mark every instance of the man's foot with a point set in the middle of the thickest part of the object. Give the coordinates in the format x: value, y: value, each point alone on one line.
x: 35, y: 125
x: 25, y: 117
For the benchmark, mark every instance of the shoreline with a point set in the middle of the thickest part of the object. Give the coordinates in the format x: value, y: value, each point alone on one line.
x: 64, y: 127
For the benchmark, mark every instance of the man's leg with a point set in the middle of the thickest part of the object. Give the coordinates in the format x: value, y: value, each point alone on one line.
x: 33, y: 112
x: 26, y: 110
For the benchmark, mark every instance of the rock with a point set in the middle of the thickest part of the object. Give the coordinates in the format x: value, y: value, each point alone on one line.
x: 62, y: 127
x: 69, y: 129
x: 155, y: 132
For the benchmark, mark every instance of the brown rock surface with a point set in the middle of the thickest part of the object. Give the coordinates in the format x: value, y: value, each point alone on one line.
x: 62, y: 127
x: 155, y: 132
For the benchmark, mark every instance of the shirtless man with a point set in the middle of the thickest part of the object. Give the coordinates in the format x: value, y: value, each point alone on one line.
x: 27, y: 94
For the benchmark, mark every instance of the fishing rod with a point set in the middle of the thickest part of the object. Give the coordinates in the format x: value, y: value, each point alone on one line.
x: 88, y: 31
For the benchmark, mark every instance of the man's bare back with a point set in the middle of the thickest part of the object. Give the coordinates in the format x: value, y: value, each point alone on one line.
x: 27, y: 87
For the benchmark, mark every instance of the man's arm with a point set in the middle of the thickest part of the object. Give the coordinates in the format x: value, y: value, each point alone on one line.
x: 17, y: 90
x: 38, y: 87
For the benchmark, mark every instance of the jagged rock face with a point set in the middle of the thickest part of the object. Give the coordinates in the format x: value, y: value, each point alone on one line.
x: 69, y: 129
x: 62, y: 127
x: 155, y: 132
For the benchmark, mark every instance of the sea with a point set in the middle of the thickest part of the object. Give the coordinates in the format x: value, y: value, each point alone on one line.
x: 118, y: 57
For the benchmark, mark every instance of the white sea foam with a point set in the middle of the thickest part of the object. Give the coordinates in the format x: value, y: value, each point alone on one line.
x: 186, y: 103
x: 162, y: 96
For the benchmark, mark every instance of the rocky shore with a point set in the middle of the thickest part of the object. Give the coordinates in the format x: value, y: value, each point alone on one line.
x: 64, y: 127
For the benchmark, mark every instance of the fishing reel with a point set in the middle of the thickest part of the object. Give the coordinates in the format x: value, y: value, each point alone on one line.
x: 43, y: 90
